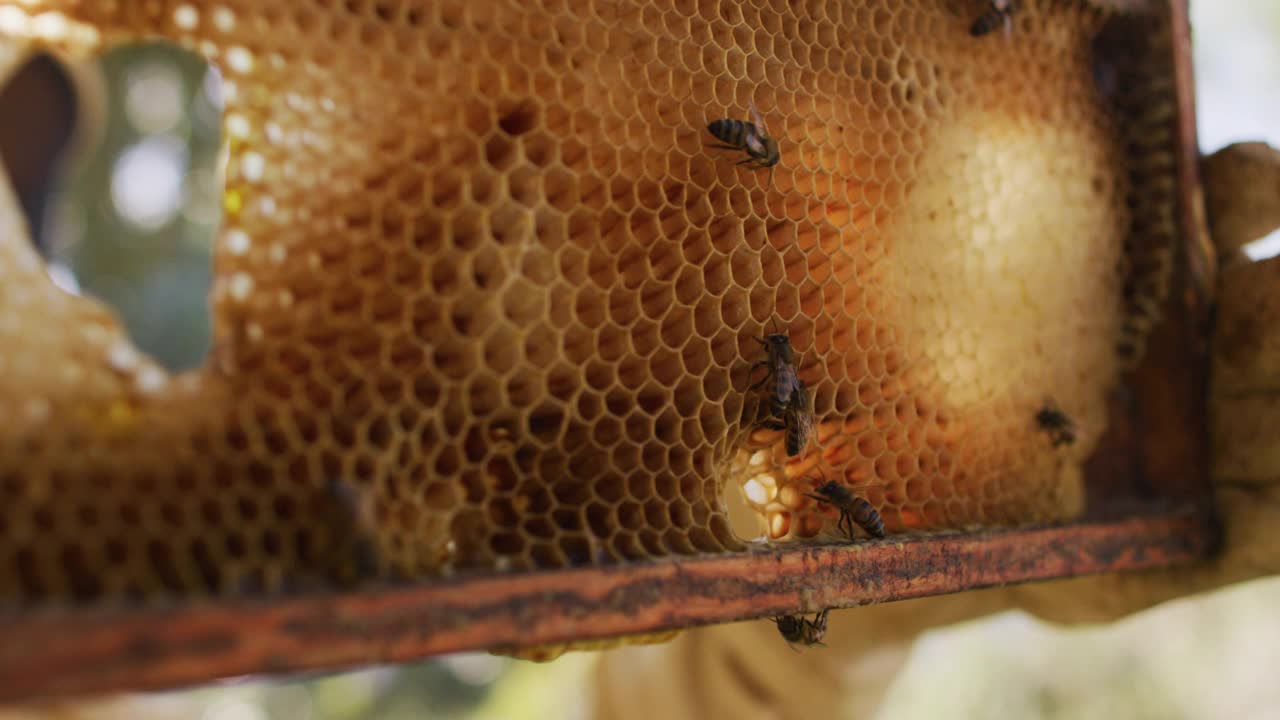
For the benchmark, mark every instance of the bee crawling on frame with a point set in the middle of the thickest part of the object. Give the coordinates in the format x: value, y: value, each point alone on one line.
x: 788, y: 397
x: 999, y: 13
x: 749, y: 137
x: 799, y: 630
x: 853, y: 509
x: 1056, y: 424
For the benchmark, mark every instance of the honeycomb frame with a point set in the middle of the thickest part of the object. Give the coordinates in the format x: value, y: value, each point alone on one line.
x: 1143, y: 436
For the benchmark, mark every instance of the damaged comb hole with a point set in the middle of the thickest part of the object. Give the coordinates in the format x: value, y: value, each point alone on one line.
x: 156, y: 186
x: 518, y: 117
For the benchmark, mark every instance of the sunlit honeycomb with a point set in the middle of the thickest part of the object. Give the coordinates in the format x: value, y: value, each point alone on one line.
x: 484, y: 300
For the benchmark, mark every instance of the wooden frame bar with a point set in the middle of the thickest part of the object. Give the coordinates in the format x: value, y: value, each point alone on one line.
x: 53, y: 653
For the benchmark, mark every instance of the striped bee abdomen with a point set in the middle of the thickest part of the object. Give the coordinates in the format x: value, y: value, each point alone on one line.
x: 865, y: 514
x: 730, y: 131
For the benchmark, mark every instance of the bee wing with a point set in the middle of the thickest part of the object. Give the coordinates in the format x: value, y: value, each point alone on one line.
x: 803, y: 418
x: 819, y: 498
x: 786, y: 383
x: 801, y: 399
x: 755, y: 117
x: 755, y: 140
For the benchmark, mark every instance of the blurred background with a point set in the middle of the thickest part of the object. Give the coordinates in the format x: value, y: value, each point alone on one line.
x: 132, y: 223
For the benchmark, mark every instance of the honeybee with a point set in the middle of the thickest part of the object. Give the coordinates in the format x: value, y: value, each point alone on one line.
x: 853, y: 509
x: 788, y: 398
x: 999, y: 12
x: 799, y: 629
x: 797, y: 420
x: 1058, y: 425
x: 354, y: 554
x: 749, y: 137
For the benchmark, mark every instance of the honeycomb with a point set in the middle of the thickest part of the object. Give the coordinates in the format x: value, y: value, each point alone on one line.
x: 485, y: 302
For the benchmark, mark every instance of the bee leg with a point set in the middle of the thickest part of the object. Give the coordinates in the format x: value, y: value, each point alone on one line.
x: 723, y: 147
x: 847, y: 523
x: 744, y: 162
x: 763, y: 380
x: 774, y: 425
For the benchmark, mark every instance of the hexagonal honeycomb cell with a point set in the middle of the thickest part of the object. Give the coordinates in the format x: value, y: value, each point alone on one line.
x: 485, y: 301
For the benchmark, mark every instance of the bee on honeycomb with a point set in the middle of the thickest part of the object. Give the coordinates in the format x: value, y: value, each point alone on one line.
x: 1000, y: 13
x: 749, y: 137
x: 1056, y: 424
x: 852, y: 509
x: 788, y: 398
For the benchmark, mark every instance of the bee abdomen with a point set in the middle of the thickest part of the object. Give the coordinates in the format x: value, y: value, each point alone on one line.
x: 985, y: 24
x: 864, y: 513
x: 728, y: 130
x: 795, y: 438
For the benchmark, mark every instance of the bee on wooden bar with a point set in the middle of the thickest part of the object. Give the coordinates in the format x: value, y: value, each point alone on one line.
x: 749, y: 137
x: 853, y: 509
x: 797, y: 629
x: 1057, y: 424
x: 788, y: 397
x: 1000, y: 13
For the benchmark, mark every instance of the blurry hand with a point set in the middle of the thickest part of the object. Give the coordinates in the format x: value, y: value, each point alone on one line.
x: 1242, y: 198
x: 743, y: 670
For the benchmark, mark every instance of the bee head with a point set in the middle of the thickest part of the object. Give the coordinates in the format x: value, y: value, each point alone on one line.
x: 779, y: 344
x: 828, y: 488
